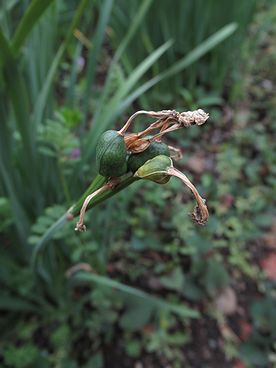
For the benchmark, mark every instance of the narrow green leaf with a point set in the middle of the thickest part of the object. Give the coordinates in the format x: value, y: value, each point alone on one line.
x: 40, y: 246
x: 43, y: 95
x: 6, y: 52
x: 114, y: 63
x: 185, y: 62
x: 10, y: 303
x: 145, y: 5
x: 29, y: 20
x: 157, y: 302
x: 118, y: 103
x: 20, y: 217
x: 94, y: 53
x: 110, y: 111
x: 17, y: 94
x: 138, y: 72
x: 201, y: 50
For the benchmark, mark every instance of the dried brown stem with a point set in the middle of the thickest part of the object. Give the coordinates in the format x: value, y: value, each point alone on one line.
x: 152, y: 114
x: 163, y: 132
x: 186, y: 118
x: 111, y: 184
x: 80, y: 224
x: 200, y: 214
x: 156, y: 125
x: 167, y: 121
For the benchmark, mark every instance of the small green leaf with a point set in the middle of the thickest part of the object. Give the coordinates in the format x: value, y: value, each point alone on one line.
x: 174, y: 281
x: 136, y: 316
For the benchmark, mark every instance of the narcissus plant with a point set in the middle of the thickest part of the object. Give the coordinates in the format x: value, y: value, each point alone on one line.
x: 123, y: 158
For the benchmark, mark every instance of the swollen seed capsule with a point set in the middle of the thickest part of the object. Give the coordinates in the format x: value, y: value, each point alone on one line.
x: 111, y: 154
x: 155, y: 169
x: 137, y: 160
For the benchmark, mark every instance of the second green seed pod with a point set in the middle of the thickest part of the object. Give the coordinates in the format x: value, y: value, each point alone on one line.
x: 136, y: 160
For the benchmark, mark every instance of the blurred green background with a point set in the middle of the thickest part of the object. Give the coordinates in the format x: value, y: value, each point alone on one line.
x: 150, y: 288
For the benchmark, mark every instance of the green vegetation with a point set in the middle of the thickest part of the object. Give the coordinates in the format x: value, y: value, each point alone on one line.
x: 144, y: 284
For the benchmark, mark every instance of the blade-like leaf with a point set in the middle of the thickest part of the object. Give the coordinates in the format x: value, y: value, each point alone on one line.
x: 29, y: 20
x: 20, y: 217
x: 119, y: 102
x: 43, y: 95
x: 46, y: 237
x: 125, y: 41
x: 155, y: 301
x: 133, y: 28
x: 10, y: 303
x: 94, y: 53
x: 189, y: 59
x: 201, y: 50
x: 109, y: 113
x: 6, y: 52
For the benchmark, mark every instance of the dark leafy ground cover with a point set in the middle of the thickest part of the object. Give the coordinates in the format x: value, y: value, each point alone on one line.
x: 225, y: 270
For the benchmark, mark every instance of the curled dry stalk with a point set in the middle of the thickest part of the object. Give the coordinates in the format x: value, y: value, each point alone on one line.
x: 167, y: 121
x: 200, y: 214
x: 109, y: 185
x: 80, y: 224
x: 160, y: 169
x: 186, y: 118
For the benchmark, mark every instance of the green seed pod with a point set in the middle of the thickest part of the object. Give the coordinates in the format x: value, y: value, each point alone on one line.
x: 155, y: 169
x: 111, y: 154
x: 137, y: 160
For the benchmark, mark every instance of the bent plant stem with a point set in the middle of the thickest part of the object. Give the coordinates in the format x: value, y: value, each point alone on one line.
x: 165, y: 131
x: 186, y: 118
x: 153, y: 114
x: 108, y: 190
x: 167, y: 121
x: 80, y: 224
x: 123, y: 130
x: 200, y: 214
x: 98, y: 181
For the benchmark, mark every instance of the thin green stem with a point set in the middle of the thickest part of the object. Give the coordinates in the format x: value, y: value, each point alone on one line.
x: 105, y: 195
